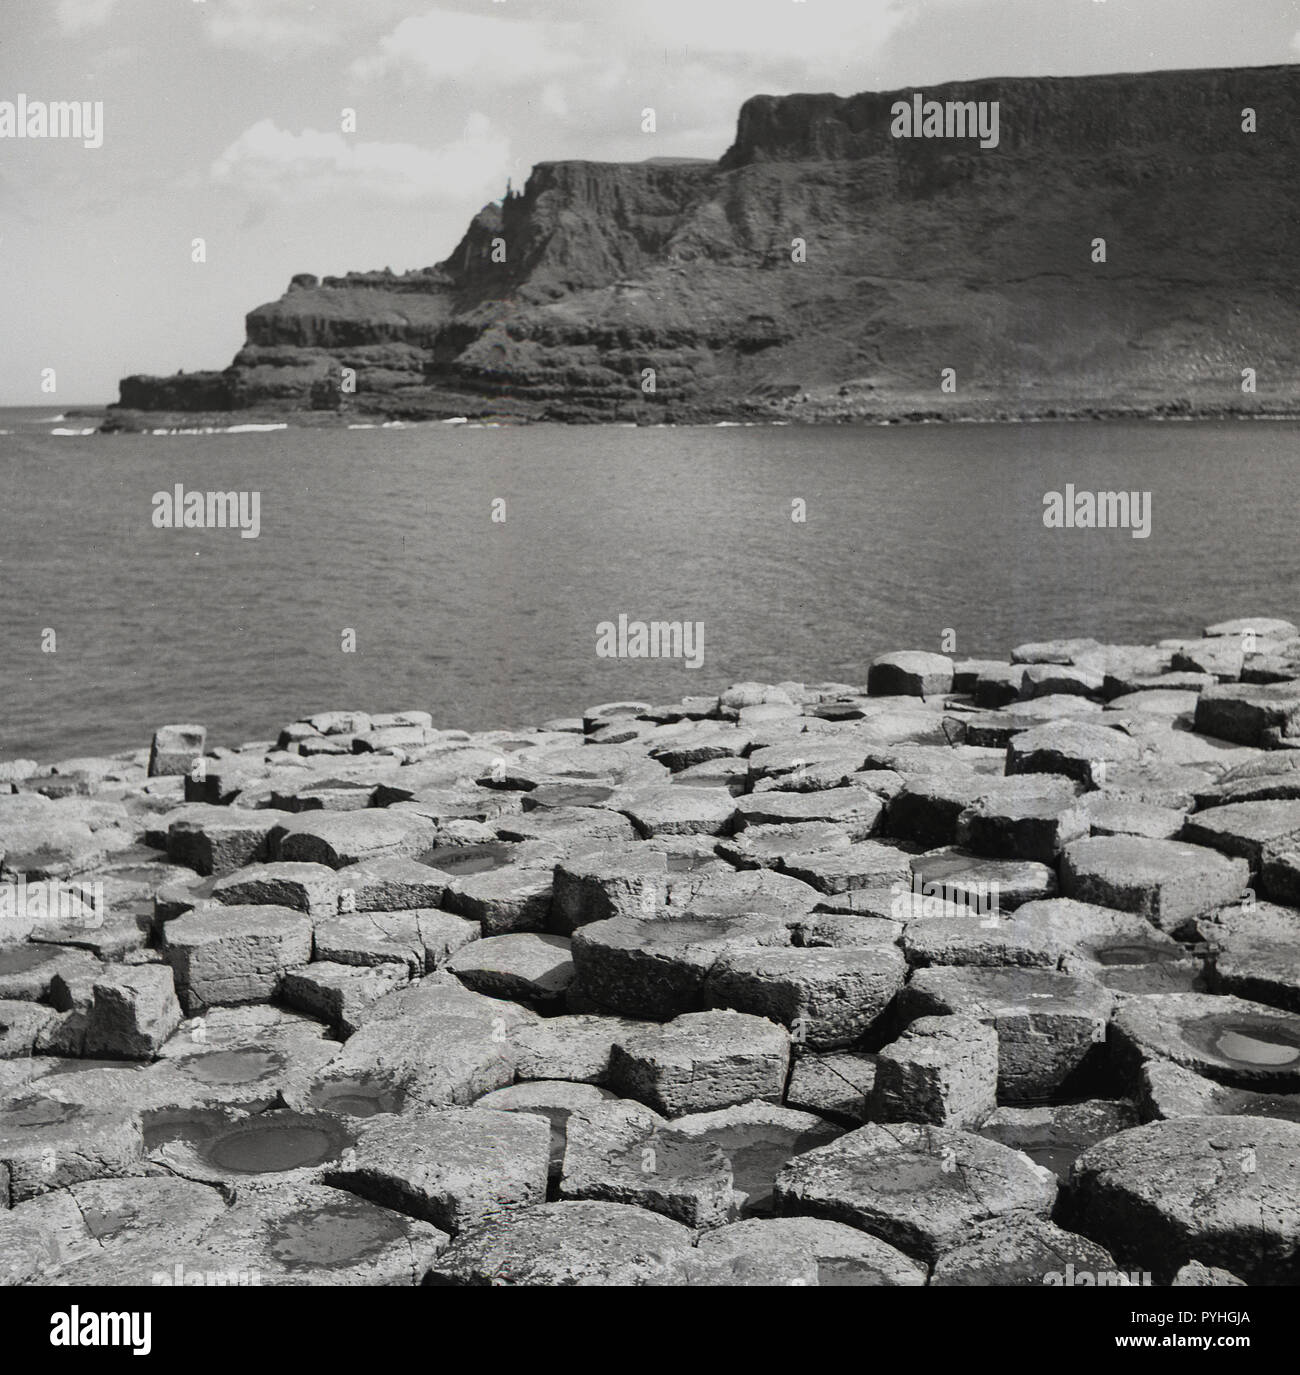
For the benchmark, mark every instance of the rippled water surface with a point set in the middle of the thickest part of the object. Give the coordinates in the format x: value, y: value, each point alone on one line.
x: 909, y: 531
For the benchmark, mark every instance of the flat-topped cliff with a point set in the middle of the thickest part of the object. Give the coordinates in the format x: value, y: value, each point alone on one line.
x: 827, y: 268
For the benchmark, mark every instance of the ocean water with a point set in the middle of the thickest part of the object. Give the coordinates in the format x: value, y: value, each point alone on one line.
x: 909, y: 531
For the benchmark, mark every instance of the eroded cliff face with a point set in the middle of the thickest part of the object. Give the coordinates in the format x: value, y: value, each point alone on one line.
x: 824, y: 268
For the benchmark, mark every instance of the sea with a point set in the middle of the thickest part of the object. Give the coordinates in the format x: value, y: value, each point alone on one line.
x: 379, y: 578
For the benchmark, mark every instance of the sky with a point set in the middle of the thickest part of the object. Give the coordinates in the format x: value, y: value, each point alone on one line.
x: 223, y: 120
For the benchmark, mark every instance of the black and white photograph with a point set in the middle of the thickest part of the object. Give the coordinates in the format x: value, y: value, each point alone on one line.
x: 649, y: 644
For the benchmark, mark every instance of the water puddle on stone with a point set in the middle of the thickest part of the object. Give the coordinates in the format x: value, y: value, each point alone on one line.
x: 18, y: 959
x: 334, y: 1236
x: 1057, y: 1157
x: 847, y: 1273
x: 551, y: 795
x: 274, y: 1143
x: 685, y: 863
x: 357, y: 1097
x: 1254, y: 1046
x: 190, y: 1125
x: 86, y: 1066
x: 1137, y: 954
x: 39, y: 1112
x: 469, y: 859
x: 234, y: 1066
x: 757, y: 1155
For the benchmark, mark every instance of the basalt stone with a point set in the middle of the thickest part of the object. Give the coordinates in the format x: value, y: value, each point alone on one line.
x: 922, y: 1189
x: 1051, y: 1027
x: 910, y: 673
x: 927, y: 808
x: 175, y: 748
x: 391, y: 883
x: 1167, y: 1090
x: 1046, y: 934
x: 340, y: 839
x: 340, y: 994
x: 235, y: 954
x: 1194, y: 1275
x: 1265, y: 714
x: 1076, y: 750
x: 1045, y: 680
x: 453, y: 1167
x: 1221, y: 659
x: 340, y: 722
x: 700, y: 1061
x: 1055, y: 1137
x: 419, y: 939
x: 1165, y: 702
x: 993, y: 885
x: 1261, y: 626
x: 757, y: 1140
x: 836, y: 1255
x: 1108, y: 815
x: 856, y: 810
x: 942, y: 1070
x: 573, y: 1243
x: 701, y: 744
x: 868, y: 864
x: 217, y: 840
x: 624, y: 1153
x: 554, y: 1102
x: 801, y: 755
x: 1239, y: 1043
x: 248, y: 1151
x: 526, y: 967
x: 1256, y: 952
x: 1065, y: 651
x: 47, y: 1145
x: 599, y: 886
x: 1032, y: 822
x: 132, y: 1012
x: 844, y: 931
x: 574, y: 1047
x: 1245, y: 829
x: 24, y: 1024
x: 1167, y: 881
x: 310, y: 888
x: 828, y: 997
x: 1221, y: 1190
x: 836, y: 1085
x: 299, y: 1235
x: 662, y: 809
x: 118, y: 1228
x: 504, y: 900
x: 27, y: 969
x: 768, y: 846
x: 567, y: 824
x: 440, y: 1046
x: 995, y: 686
x: 1018, y: 1250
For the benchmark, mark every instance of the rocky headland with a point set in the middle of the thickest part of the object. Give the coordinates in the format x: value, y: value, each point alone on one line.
x: 969, y: 973
x: 825, y: 270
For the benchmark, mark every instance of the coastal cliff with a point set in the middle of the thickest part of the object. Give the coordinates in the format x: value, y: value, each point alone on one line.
x: 825, y: 269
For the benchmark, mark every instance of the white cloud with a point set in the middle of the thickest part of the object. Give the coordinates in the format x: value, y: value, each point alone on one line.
x: 78, y: 16
x: 272, y: 164
x: 283, y: 28
x: 477, y: 49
